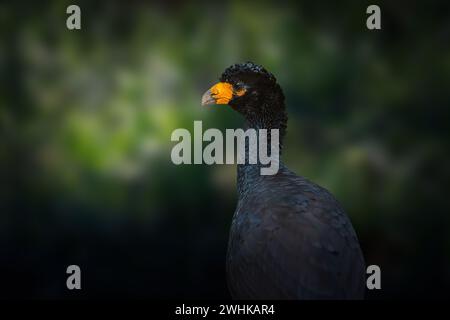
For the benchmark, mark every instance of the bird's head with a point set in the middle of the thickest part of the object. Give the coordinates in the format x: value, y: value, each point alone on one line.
x: 252, y: 91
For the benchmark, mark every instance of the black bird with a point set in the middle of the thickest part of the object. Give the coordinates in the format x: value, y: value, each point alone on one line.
x: 289, y: 238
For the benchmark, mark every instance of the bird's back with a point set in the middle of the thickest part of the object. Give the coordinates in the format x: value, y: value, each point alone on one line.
x: 290, y: 239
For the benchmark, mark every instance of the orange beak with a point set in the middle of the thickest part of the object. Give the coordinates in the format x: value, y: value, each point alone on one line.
x: 220, y: 93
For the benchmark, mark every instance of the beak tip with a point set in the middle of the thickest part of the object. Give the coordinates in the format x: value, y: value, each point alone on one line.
x: 207, y: 98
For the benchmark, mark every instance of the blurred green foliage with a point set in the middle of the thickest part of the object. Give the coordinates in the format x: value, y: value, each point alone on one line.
x: 86, y: 118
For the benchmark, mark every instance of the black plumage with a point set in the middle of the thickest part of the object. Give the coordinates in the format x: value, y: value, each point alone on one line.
x: 289, y: 238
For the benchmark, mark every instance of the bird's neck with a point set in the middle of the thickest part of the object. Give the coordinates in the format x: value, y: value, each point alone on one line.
x: 248, y: 174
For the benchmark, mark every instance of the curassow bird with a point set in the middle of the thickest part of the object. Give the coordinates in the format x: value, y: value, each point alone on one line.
x: 289, y: 238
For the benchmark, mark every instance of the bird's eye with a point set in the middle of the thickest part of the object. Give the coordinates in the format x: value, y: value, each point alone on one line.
x: 240, y: 89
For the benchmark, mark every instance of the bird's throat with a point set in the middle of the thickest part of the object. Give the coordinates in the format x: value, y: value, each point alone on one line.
x: 264, y: 113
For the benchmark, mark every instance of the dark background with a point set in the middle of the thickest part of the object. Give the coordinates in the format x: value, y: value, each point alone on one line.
x: 86, y: 118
